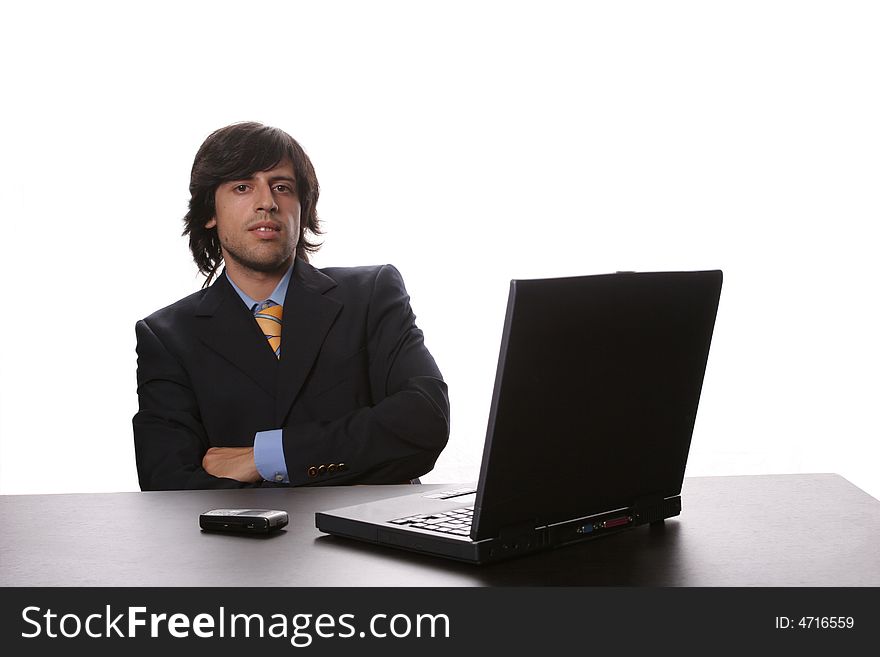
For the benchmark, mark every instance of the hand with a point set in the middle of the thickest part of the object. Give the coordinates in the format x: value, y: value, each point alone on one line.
x: 233, y: 463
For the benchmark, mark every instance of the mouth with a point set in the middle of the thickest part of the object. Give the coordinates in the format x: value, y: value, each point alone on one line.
x: 266, y: 229
x: 265, y: 226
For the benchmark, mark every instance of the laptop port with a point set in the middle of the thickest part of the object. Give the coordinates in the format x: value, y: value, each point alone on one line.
x: 615, y: 522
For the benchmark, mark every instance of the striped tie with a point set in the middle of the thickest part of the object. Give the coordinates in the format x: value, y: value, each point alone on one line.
x: 269, y: 320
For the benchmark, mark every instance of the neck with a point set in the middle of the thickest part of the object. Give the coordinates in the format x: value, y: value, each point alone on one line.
x: 256, y: 284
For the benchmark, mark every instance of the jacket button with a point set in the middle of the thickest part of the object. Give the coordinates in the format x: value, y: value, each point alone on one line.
x: 342, y: 467
x: 322, y: 469
x: 331, y: 468
x: 313, y: 471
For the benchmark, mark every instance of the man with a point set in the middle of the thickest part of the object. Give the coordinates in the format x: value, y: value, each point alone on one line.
x: 279, y: 373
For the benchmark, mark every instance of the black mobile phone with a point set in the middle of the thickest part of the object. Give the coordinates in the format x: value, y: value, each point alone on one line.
x: 248, y: 521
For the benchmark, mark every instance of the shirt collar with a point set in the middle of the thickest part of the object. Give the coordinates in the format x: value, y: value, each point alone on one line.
x: 277, y: 296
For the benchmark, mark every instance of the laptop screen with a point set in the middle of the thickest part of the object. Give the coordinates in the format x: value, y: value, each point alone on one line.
x: 596, y: 395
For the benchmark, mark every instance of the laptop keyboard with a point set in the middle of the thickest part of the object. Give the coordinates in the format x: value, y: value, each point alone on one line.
x: 456, y: 521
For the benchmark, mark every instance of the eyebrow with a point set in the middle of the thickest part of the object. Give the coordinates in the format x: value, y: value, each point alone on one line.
x: 272, y: 179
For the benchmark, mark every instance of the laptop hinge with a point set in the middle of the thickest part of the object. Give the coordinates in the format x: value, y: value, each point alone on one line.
x: 516, y: 532
x: 647, y: 501
x: 655, y: 507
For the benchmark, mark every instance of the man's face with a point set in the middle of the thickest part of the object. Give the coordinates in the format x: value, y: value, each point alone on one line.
x: 257, y: 219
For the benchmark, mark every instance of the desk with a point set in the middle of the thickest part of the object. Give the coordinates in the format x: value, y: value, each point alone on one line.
x: 765, y: 530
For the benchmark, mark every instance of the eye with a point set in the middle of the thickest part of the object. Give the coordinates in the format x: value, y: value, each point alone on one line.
x: 282, y: 188
x: 241, y: 188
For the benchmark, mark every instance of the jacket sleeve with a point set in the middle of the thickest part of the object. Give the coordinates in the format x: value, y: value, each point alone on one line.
x: 401, y: 435
x: 169, y: 438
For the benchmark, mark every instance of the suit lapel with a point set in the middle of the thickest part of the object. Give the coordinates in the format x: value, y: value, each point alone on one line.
x: 308, y: 316
x: 228, y: 327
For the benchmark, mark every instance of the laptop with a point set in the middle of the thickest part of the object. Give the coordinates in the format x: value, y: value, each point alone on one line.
x: 594, y: 405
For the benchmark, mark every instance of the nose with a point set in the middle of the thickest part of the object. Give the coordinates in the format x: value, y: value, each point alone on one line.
x: 265, y: 199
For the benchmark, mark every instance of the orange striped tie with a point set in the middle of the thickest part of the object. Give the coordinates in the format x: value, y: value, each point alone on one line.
x: 269, y: 320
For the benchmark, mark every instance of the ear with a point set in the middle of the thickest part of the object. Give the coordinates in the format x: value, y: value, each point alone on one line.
x: 211, y: 222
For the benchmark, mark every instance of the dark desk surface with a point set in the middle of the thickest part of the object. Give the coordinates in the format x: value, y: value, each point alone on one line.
x: 766, y: 530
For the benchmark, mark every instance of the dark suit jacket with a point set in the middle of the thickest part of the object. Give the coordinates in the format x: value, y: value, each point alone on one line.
x: 355, y: 390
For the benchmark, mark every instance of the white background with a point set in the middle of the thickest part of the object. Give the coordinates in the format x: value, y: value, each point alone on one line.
x: 468, y: 143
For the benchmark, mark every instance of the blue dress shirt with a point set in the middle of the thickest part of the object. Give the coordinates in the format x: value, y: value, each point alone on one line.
x: 268, y: 448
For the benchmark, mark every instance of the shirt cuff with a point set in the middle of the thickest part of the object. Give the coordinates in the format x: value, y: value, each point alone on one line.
x: 269, y: 456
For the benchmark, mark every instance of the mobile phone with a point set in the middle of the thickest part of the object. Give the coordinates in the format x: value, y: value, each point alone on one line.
x: 248, y: 521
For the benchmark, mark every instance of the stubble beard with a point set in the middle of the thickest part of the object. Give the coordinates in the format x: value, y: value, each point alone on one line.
x: 268, y: 263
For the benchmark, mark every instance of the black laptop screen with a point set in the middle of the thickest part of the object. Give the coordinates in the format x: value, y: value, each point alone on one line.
x: 596, y: 395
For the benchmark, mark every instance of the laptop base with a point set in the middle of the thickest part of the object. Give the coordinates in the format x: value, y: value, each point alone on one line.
x: 511, y: 542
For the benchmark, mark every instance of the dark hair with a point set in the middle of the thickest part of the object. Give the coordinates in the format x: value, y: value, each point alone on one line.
x: 239, y: 151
